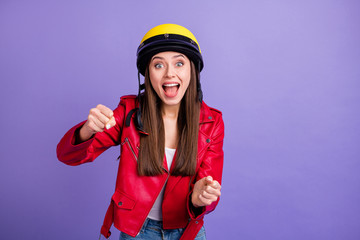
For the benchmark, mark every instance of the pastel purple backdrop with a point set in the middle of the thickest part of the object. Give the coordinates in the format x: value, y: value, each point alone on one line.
x: 284, y: 73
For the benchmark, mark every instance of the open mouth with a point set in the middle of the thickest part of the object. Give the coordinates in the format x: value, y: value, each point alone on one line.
x: 171, y: 89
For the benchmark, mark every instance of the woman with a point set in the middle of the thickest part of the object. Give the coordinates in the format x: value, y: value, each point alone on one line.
x: 171, y: 158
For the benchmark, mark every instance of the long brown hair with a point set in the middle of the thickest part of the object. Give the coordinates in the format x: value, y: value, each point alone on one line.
x: 152, y: 146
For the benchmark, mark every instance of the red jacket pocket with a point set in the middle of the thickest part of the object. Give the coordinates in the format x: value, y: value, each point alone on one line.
x: 122, y: 201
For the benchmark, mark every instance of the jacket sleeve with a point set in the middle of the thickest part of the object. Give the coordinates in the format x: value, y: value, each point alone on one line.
x: 74, y: 154
x: 212, y: 165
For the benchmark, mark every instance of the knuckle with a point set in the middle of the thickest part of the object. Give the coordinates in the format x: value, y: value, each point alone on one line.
x: 90, y: 123
x: 91, y: 120
x: 103, y: 119
x: 93, y: 111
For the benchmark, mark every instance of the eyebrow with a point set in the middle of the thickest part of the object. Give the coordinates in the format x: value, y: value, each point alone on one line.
x: 157, y: 57
x: 180, y: 55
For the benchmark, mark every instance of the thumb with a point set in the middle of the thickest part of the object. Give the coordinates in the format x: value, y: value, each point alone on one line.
x: 110, y: 123
x: 208, y: 180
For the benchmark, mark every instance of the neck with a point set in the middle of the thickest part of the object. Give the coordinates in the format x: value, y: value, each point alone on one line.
x: 170, y: 111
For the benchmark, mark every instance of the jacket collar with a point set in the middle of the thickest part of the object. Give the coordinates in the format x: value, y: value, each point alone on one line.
x: 206, y: 115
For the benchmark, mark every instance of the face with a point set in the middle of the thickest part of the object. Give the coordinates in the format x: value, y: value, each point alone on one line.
x: 170, y: 74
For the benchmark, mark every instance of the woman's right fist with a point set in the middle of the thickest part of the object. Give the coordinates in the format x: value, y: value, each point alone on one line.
x: 99, y: 118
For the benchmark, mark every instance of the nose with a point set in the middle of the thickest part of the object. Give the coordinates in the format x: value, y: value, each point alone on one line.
x: 170, y: 71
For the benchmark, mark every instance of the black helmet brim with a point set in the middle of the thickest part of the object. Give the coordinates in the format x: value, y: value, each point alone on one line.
x: 163, y: 43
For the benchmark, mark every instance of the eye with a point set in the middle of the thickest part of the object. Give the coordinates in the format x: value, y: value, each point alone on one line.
x: 159, y: 65
x: 179, y: 64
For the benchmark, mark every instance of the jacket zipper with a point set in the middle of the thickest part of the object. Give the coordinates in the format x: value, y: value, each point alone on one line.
x: 131, y: 149
x: 168, y: 175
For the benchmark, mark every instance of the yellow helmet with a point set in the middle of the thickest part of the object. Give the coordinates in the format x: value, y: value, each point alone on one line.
x: 168, y: 37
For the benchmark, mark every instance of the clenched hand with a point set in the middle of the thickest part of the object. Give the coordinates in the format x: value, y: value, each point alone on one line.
x: 206, y: 191
x: 99, y: 118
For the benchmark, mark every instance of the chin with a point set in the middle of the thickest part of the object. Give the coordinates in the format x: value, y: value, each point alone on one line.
x: 172, y: 102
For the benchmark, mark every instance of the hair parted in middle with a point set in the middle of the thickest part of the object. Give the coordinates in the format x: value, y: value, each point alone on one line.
x: 152, y: 146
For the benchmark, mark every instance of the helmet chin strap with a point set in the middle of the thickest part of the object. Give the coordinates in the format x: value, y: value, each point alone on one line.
x: 200, y: 93
x: 138, y: 122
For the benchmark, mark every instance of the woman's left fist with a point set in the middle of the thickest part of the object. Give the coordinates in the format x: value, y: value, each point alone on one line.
x: 205, y: 192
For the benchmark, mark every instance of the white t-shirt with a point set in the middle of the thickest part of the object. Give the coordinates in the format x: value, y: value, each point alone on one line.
x: 156, y: 211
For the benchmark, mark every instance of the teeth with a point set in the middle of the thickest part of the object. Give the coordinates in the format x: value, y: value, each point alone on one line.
x: 170, y: 85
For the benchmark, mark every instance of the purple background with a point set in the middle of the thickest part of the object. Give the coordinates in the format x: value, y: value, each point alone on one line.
x: 285, y: 74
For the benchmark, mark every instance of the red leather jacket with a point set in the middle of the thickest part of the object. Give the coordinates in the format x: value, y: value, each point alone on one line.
x: 135, y: 195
